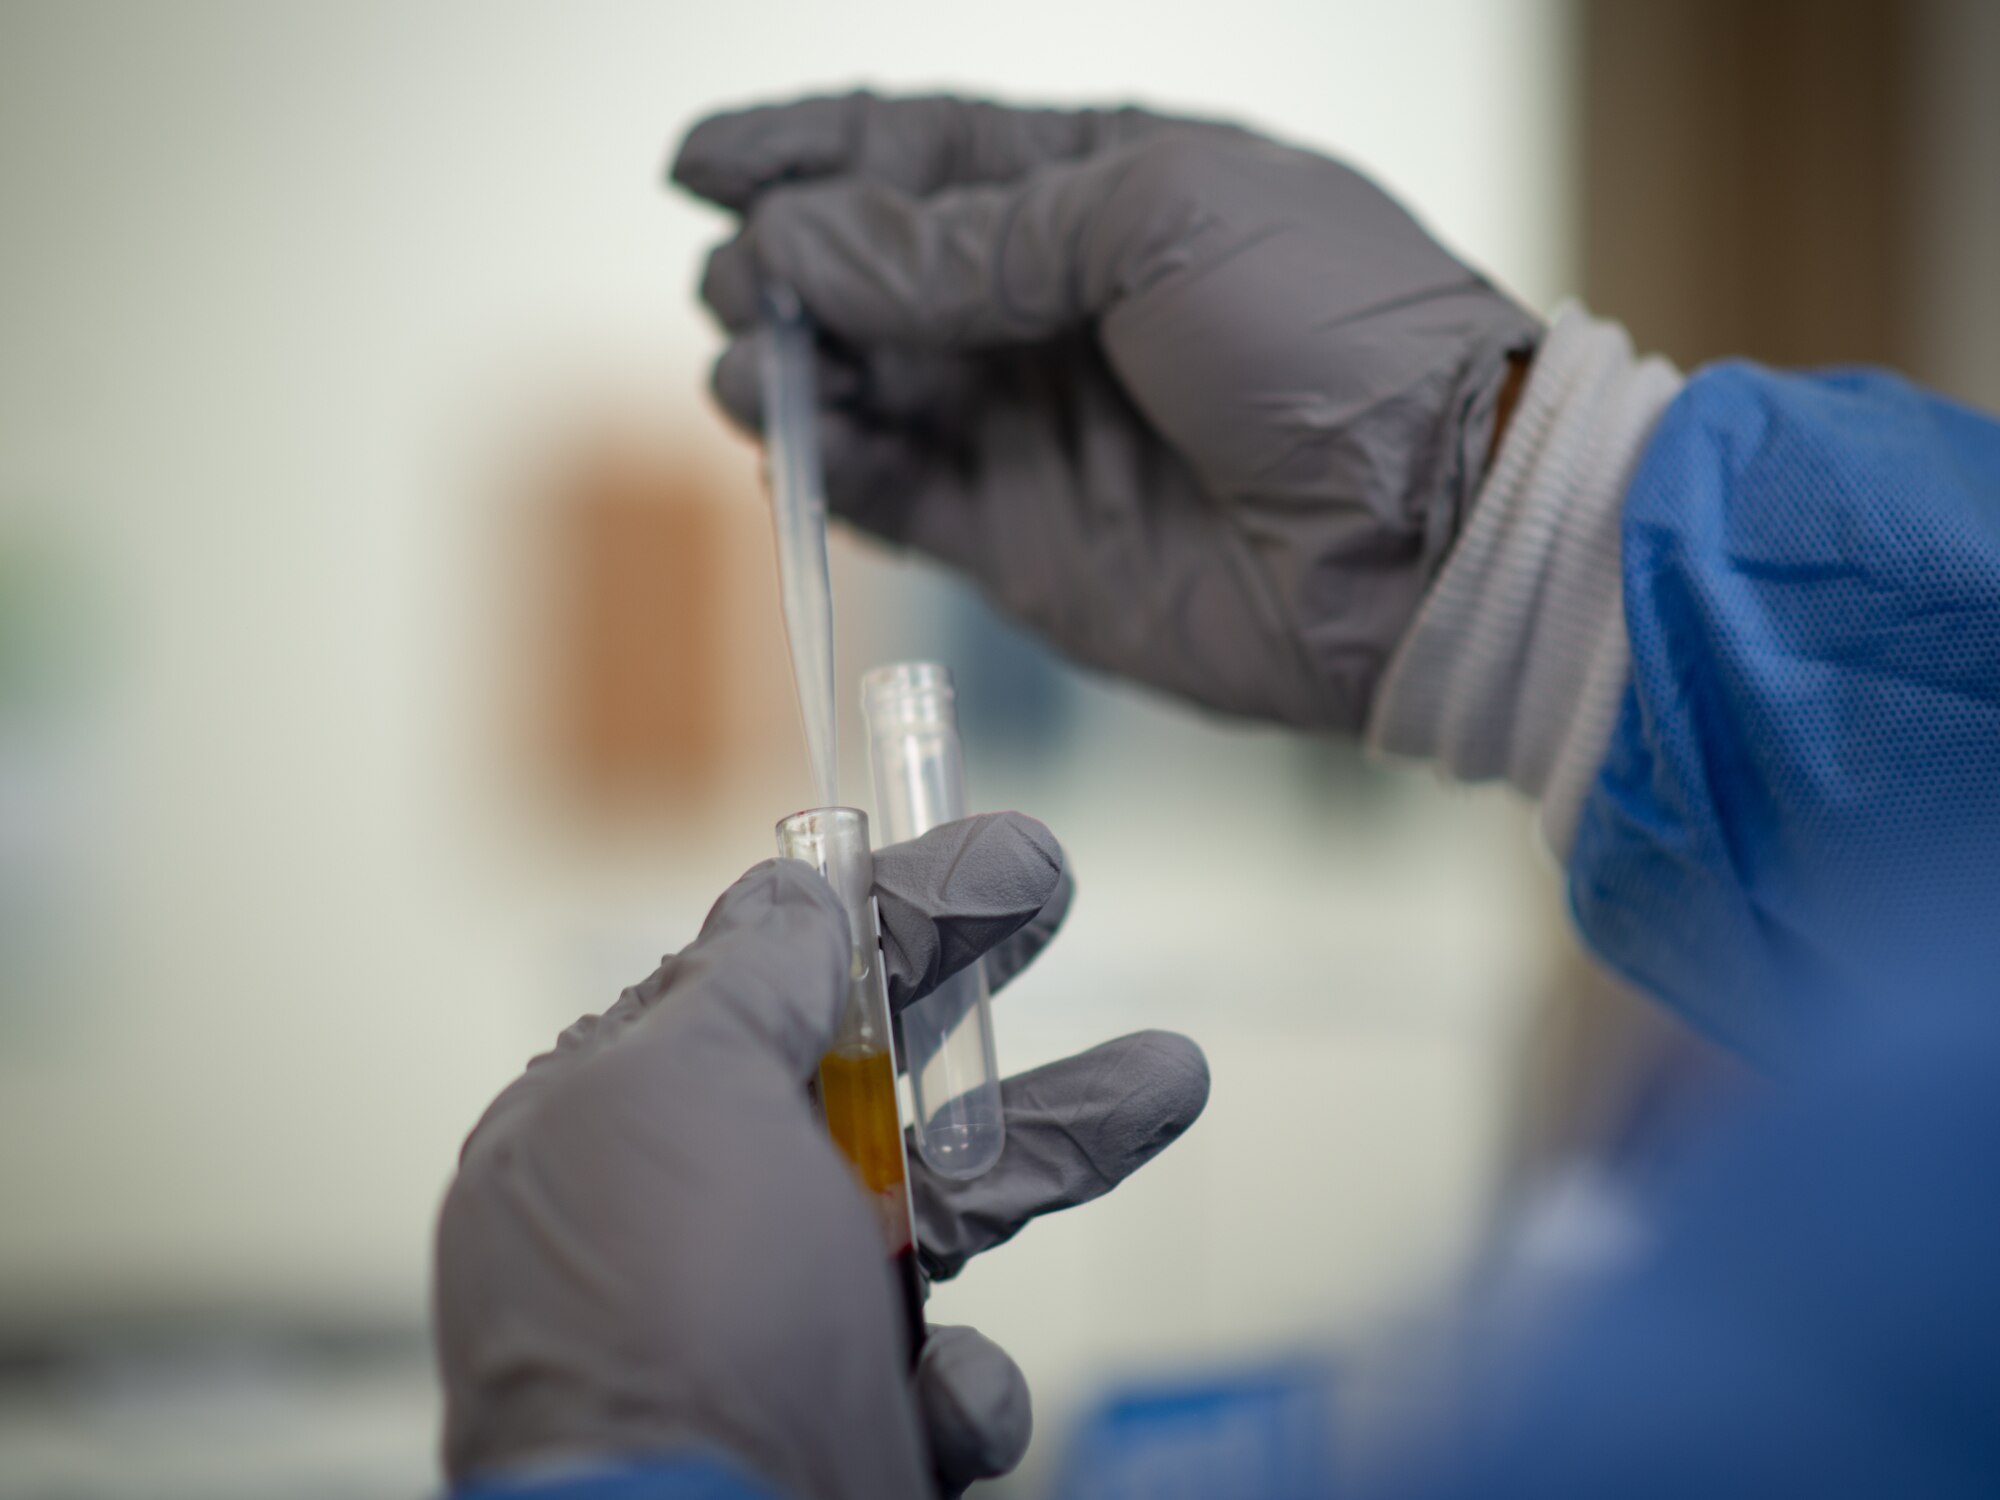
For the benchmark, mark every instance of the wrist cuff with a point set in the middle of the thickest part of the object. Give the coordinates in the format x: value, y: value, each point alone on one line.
x: 1517, y: 659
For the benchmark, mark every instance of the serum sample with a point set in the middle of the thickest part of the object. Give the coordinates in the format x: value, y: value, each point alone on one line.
x: 857, y: 1076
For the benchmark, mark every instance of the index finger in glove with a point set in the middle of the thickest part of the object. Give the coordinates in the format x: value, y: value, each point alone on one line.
x: 988, y: 265
x: 995, y: 885
x: 917, y: 145
x: 1075, y: 1130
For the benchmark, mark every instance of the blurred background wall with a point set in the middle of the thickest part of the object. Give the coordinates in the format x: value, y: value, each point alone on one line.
x: 1828, y: 191
x: 390, y: 671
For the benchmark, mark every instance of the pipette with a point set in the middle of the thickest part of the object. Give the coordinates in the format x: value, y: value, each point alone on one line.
x: 857, y: 1076
x: 798, y: 515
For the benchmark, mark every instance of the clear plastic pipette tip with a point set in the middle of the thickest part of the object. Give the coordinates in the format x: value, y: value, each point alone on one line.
x: 798, y: 513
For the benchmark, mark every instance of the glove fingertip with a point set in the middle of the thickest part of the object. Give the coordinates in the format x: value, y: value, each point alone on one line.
x: 975, y: 1404
x: 1176, y: 1075
x: 701, y: 166
x: 729, y: 281
x: 1019, y: 857
x: 790, y: 886
x: 1034, y: 833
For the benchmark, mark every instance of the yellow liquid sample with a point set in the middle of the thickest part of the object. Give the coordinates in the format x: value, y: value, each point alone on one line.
x: 857, y: 1093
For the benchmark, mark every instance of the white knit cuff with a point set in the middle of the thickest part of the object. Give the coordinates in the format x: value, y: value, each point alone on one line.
x: 1517, y: 660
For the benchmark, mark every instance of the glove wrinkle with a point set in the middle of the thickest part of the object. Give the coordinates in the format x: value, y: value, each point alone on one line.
x: 948, y: 897
x: 1011, y: 956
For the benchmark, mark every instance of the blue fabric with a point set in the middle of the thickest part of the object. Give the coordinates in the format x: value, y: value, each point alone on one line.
x: 1820, y: 1312
x: 683, y: 1478
x: 1795, y: 840
x: 1801, y: 797
x: 1253, y: 1434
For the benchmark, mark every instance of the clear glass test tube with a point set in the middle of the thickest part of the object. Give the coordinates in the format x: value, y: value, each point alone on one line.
x: 919, y: 774
x: 857, y: 1076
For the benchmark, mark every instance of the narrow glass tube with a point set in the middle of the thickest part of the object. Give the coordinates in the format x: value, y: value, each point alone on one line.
x: 857, y: 1076
x: 798, y: 516
x: 919, y: 773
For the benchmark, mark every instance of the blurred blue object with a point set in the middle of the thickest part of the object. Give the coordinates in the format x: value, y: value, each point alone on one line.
x: 1260, y: 1434
x: 1016, y: 694
x: 1817, y: 1312
x: 1798, y: 807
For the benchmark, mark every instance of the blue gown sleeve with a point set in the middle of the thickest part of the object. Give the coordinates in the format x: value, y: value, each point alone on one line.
x: 1801, y: 796
x: 1818, y: 1313
x: 666, y: 1478
x: 1795, y: 840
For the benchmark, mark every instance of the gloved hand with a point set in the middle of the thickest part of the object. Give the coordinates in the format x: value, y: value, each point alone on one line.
x: 1205, y: 409
x: 651, y: 1247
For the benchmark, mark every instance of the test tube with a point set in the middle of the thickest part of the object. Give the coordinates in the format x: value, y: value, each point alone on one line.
x: 857, y: 1076
x: 919, y: 774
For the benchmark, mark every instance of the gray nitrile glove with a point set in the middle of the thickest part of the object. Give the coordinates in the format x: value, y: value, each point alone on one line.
x: 1205, y: 409
x: 652, y: 1248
